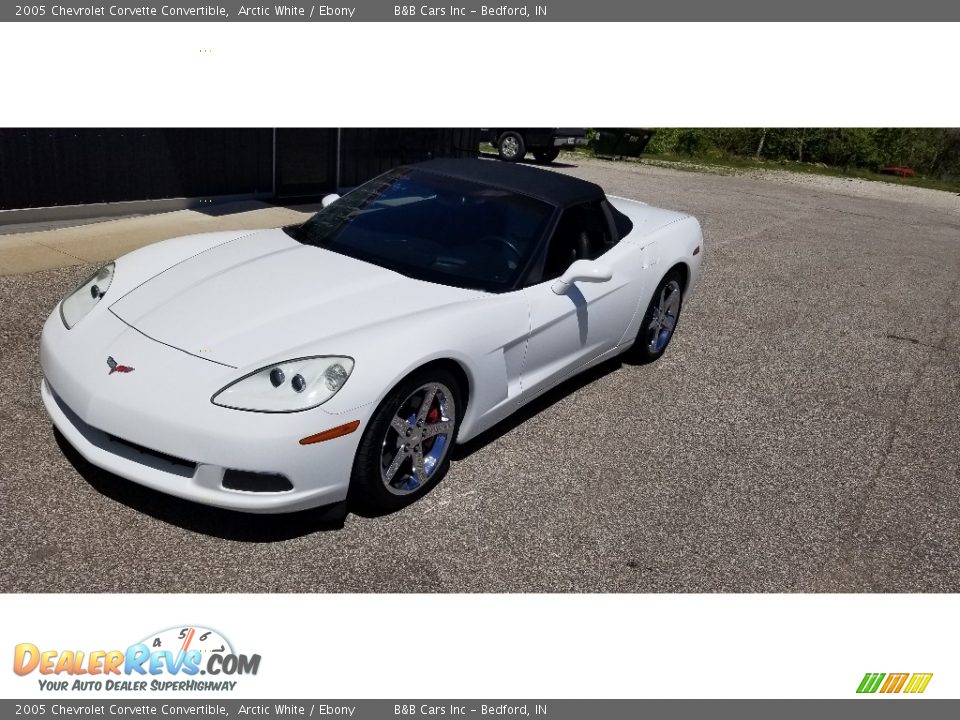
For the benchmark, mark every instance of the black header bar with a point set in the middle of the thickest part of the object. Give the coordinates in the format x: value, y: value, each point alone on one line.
x: 467, y: 11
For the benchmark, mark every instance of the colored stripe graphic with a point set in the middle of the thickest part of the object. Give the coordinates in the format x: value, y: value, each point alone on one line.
x: 918, y: 683
x: 870, y: 682
x: 894, y: 682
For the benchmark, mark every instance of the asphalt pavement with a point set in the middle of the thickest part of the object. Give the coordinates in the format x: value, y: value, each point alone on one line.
x: 801, y: 434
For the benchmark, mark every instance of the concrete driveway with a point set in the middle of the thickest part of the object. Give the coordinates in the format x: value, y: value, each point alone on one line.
x: 802, y: 433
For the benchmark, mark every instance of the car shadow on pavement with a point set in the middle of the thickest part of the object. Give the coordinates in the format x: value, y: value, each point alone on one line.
x: 224, y: 524
x: 535, y: 407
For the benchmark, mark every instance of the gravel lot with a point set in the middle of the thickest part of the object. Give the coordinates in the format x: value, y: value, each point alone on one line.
x: 802, y: 434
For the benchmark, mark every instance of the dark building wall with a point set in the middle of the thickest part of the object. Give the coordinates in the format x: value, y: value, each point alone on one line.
x: 306, y: 162
x: 367, y: 152
x: 46, y: 167
x: 56, y: 167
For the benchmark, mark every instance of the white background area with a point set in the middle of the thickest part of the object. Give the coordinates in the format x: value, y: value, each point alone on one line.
x: 467, y: 74
x: 519, y: 646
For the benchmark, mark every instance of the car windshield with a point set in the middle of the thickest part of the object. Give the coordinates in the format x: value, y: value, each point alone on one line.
x: 433, y: 227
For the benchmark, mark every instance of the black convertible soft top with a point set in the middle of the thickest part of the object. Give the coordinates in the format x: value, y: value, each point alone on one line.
x: 550, y: 187
x: 546, y: 185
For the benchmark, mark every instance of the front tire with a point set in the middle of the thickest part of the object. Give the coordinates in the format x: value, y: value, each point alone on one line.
x: 660, y: 321
x: 510, y: 147
x: 405, y: 450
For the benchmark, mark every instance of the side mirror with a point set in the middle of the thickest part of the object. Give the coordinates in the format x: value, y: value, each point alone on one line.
x: 329, y: 200
x: 581, y: 271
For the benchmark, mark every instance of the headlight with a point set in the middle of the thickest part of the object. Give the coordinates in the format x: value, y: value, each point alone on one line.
x: 287, y: 386
x: 82, y: 300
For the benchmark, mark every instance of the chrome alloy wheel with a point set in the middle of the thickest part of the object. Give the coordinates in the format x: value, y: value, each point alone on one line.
x: 664, y: 318
x: 418, y: 439
x: 510, y: 147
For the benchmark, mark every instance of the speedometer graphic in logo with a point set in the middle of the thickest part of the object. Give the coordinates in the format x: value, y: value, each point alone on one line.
x: 183, y: 639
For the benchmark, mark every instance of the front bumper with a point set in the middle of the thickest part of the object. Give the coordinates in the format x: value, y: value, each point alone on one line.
x: 157, y: 427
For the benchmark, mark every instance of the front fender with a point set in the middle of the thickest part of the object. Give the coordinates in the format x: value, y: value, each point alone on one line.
x: 487, y: 337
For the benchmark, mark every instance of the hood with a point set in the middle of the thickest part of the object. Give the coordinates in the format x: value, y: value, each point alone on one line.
x: 265, y: 294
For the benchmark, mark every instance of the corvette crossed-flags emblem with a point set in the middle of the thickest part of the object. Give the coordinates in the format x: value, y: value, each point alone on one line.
x: 115, y: 367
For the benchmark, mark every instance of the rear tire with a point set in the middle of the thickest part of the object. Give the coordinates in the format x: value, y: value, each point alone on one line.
x: 660, y: 321
x: 510, y: 147
x: 546, y: 155
x: 405, y: 450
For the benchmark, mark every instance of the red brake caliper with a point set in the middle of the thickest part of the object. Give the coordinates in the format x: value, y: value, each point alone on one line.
x: 432, y: 417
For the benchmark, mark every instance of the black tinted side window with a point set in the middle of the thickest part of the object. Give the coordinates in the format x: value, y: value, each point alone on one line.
x: 581, y: 234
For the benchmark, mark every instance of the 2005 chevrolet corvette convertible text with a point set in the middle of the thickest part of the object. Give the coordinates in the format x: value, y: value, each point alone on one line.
x: 284, y: 369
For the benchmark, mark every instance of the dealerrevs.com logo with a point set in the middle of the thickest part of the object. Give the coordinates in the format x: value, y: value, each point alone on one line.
x: 178, y: 659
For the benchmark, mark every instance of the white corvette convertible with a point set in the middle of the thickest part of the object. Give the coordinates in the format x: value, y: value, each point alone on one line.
x: 285, y: 369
